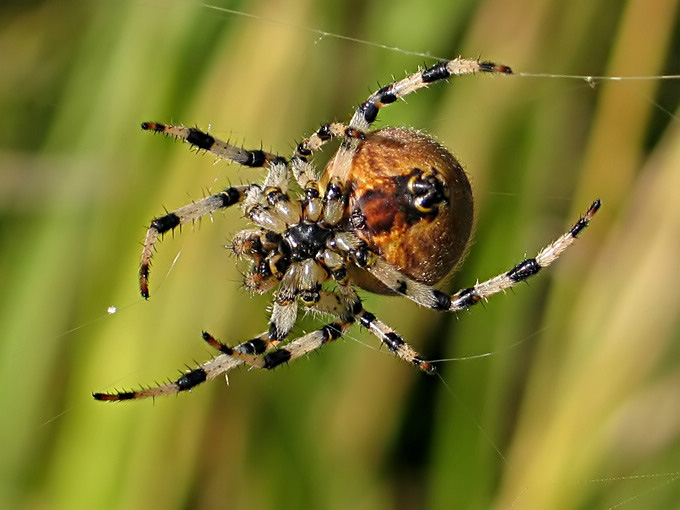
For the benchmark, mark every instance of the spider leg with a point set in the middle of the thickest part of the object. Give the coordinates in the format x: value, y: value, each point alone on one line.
x: 257, y: 352
x: 188, y: 213
x: 274, y: 216
x: 253, y: 352
x: 306, y: 174
x: 306, y: 344
x: 277, y: 177
x: 224, y: 363
x: 205, y: 372
x: 388, y: 336
x: 367, y: 112
x: 427, y: 296
x: 346, y: 307
x: 394, y: 342
x: 293, y: 350
x: 249, y: 352
x: 315, y: 141
x: 208, y: 143
x: 303, y: 171
x: 346, y: 313
x: 283, y: 318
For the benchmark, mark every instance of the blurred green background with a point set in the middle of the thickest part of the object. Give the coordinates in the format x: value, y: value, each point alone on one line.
x: 578, y: 405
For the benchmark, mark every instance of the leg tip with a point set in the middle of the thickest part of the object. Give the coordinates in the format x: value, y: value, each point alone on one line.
x: 490, y: 67
x: 153, y: 126
x: 425, y: 366
x: 114, y: 397
x: 594, y: 208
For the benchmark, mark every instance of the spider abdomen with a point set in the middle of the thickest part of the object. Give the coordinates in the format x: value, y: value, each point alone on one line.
x: 410, y: 202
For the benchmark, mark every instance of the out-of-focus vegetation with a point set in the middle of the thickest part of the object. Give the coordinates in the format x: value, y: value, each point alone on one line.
x: 577, y: 407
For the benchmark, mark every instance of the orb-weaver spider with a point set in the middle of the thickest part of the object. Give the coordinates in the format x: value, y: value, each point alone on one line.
x: 391, y: 213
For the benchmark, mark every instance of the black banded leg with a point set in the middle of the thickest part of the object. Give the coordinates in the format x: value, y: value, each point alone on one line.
x: 394, y: 342
x: 299, y: 347
x: 230, y: 358
x: 192, y: 378
x: 334, y: 330
x: 206, y: 142
x: 283, y: 318
x: 260, y: 354
x: 313, y: 143
x: 250, y: 352
x: 186, y: 382
x: 254, y: 352
x: 343, y: 307
x: 188, y: 213
x: 304, y: 172
x: 425, y: 295
x: 306, y: 344
x: 346, y: 305
x: 367, y: 112
x: 525, y: 269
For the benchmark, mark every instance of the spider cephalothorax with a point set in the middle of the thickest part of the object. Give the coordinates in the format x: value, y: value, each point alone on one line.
x: 391, y: 213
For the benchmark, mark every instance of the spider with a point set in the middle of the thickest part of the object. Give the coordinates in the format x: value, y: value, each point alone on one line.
x: 391, y: 213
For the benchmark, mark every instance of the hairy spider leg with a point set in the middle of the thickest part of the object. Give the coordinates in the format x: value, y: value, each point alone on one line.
x: 258, y: 352
x: 204, y: 141
x: 336, y: 329
x: 206, y: 206
x: 367, y: 112
x: 425, y: 295
x: 304, y: 172
x: 205, y: 372
x: 348, y: 309
x: 186, y: 214
x: 261, y: 351
x: 249, y: 352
